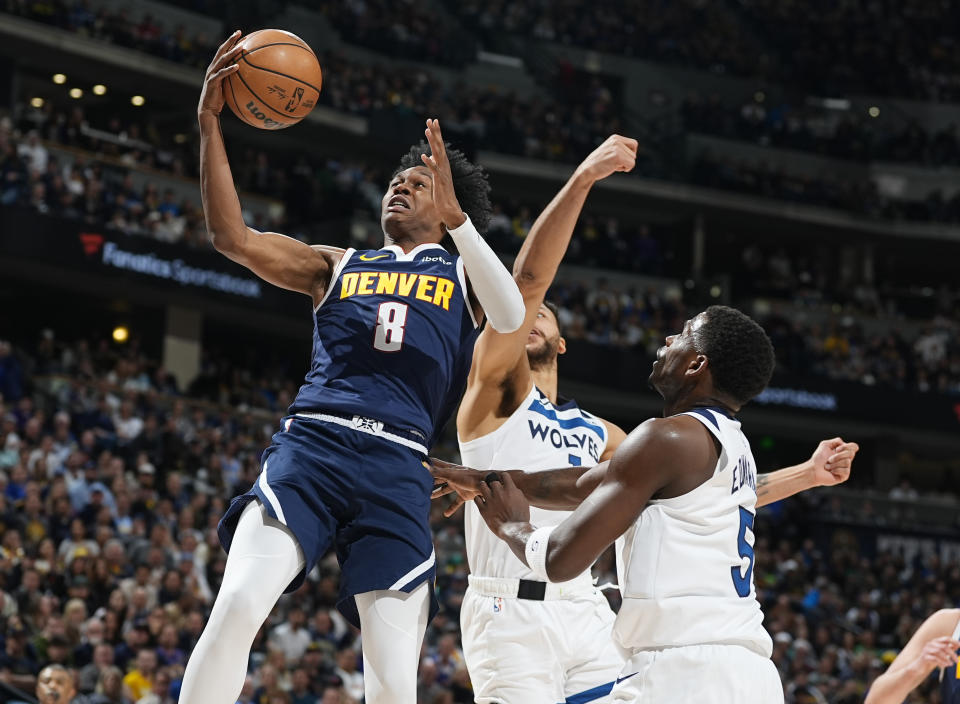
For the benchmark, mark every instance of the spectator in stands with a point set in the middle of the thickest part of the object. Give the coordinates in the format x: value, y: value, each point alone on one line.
x: 291, y: 636
x: 139, y: 681
x: 55, y: 685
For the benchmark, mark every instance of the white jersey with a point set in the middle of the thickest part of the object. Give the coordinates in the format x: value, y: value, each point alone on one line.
x: 537, y: 436
x: 686, y: 566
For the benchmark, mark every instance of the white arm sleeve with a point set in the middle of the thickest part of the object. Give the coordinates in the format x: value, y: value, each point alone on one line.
x: 494, y: 286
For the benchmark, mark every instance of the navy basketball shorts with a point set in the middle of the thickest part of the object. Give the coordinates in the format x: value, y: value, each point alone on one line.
x: 365, y: 495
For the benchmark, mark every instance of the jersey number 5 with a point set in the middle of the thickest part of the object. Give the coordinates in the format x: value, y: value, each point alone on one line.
x: 741, y: 582
x: 391, y: 319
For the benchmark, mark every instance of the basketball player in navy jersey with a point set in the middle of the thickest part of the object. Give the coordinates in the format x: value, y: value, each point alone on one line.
x: 933, y: 647
x: 679, y: 496
x: 393, y: 337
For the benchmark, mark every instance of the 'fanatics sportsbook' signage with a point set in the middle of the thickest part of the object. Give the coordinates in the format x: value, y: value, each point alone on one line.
x: 177, y: 270
x: 74, y: 254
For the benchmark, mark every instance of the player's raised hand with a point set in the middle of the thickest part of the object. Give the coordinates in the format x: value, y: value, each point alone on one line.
x: 223, y: 64
x: 444, y: 197
x: 617, y: 153
x: 938, y: 652
x: 832, y: 461
x: 501, y: 502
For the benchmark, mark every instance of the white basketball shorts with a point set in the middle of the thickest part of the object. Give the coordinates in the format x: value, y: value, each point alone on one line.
x: 520, y: 651
x: 699, y: 674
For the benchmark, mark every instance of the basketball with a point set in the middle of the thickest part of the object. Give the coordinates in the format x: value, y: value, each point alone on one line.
x: 278, y: 82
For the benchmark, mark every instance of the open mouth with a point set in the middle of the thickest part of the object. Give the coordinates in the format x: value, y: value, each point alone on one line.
x: 398, y: 204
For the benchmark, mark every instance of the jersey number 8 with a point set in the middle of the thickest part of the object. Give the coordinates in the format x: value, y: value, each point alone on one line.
x: 391, y: 319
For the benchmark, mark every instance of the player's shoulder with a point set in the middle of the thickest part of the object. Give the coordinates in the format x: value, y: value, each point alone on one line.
x: 673, y: 436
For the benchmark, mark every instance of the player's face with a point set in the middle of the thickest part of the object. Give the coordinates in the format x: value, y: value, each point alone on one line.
x: 407, y: 207
x: 55, y: 687
x: 674, y: 358
x: 544, y: 342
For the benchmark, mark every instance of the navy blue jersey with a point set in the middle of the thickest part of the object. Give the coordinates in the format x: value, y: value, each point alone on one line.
x: 392, y: 339
x: 950, y: 679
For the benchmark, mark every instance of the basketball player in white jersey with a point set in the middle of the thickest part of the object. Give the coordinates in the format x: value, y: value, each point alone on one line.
x: 679, y: 496
x: 525, y: 640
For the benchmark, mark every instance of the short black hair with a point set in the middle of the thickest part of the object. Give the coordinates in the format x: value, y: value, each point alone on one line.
x: 553, y: 308
x: 740, y: 353
x: 470, y: 182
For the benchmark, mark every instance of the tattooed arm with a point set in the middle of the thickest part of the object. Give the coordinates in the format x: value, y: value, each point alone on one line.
x: 829, y: 465
x: 559, y: 489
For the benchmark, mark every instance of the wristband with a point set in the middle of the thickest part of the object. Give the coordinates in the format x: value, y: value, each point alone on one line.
x: 536, y: 552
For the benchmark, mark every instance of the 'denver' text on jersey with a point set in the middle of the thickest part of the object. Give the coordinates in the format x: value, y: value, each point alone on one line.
x: 393, y: 339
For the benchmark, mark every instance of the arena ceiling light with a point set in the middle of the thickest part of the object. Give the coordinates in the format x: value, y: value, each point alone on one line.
x: 76, y: 93
x: 99, y: 89
x: 137, y: 100
x: 121, y: 334
x: 59, y: 78
x: 36, y: 102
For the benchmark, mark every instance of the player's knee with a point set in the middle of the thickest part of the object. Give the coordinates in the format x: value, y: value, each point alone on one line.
x: 238, y: 611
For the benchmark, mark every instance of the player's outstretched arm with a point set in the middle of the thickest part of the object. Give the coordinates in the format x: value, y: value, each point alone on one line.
x: 830, y: 464
x: 281, y: 260
x: 931, y: 646
x: 560, y: 489
x: 644, y: 464
x: 500, y: 359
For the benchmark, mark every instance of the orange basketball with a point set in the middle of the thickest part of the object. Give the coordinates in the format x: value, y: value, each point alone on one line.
x: 278, y: 82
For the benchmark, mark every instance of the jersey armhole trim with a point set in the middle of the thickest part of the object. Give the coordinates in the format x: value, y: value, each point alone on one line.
x: 500, y: 429
x: 710, y: 422
x: 461, y: 274
x: 334, y: 275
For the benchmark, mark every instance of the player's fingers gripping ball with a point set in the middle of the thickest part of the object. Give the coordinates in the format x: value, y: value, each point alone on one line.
x: 278, y: 80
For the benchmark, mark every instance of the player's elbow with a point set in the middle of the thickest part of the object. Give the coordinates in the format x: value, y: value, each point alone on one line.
x: 227, y: 241
x: 561, y: 569
x: 511, y: 315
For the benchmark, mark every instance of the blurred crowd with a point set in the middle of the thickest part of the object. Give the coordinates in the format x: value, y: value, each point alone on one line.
x: 817, y: 129
x: 486, y: 117
x: 573, y: 115
x: 837, y: 48
x: 99, y: 188
x: 112, y: 480
x: 111, y: 485
x: 824, y: 189
x: 928, y: 361
x: 837, y: 612
x: 410, y: 30
x: 689, y: 32
x: 838, y: 347
x: 152, y: 35
x: 863, y: 47
x: 828, y: 48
